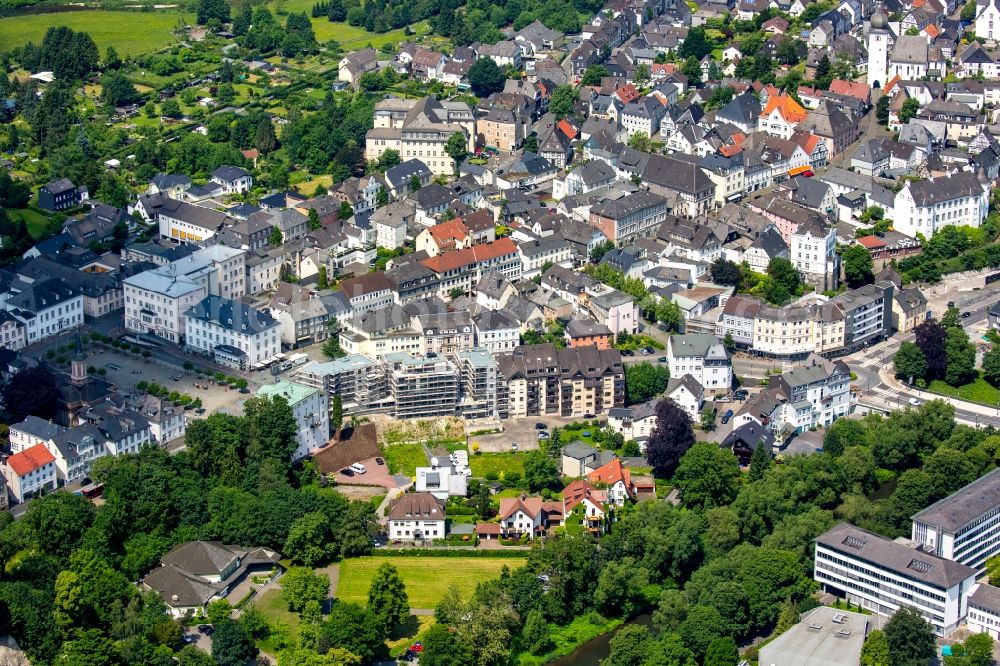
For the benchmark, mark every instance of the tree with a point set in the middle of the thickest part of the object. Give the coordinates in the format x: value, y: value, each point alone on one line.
x: 641, y: 142
x: 322, y: 281
x: 598, y: 251
x: 695, y: 45
x: 843, y: 433
x: 300, y: 585
x: 692, y: 69
x: 729, y: 343
x: 314, y: 221
x: 32, y: 391
x: 722, y: 652
x: 645, y: 380
x: 858, y: 266
x: 911, y: 107
x: 969, y: 12
x: 331, y: 348
x: 218, y: 611
x: 760, y: 462
x: 485, y: 78
x: 910, y: 638
x: 336, y: 412
x: 118, y: 90
x: 212, y: 9
x: 345, y: 212
x: 541, y: 472
x: 909, y: 362
x: 876, y: 649
x: 671, y: 438
x: 991, y: 365
x: 703, y: 625
x: 442, y: 647
x: 961, y: 355
x: 882, y: 109
x: 415, y: 183
x: 387, y: 598
x: 457, y: 146
x: 276, y: 238
x: 782, y: 272
x: 976, y: 651
x: 707, y: 476
x: 823, y: 74
x: 629, y: 646
x: 309, y: 542
x: 708, y: 419
x: 536, y: 633
x: 726, y: 272
x: 351, y: 627
x: 562, y: 100
x: 592, y: 75
x: 231, y: 644
x: 381, y: 197
x: 930, y: 337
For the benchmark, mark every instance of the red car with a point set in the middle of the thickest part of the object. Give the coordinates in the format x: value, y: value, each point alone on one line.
x: 417, y: 647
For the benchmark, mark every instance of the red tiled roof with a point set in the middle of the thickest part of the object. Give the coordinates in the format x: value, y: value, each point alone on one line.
x: 452, y: 230
x: 470, y: 255
x: 932, y: 30
x: 787, y: 107
x: 611, y: 473
x: 893, y: 81
x: 871, y: 242
x: 627, y: 93
x: 30, y: 459
x: 566, y: 128
x: 531, y: 506
x: 488, y: 528
x: 853, y: 89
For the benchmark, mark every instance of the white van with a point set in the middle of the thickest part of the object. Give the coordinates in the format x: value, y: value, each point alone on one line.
x: 358, y: 468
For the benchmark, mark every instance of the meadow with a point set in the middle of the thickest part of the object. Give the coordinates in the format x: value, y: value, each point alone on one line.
x: 131, y: 33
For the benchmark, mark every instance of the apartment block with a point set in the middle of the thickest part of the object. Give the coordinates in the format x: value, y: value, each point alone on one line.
x: 360, y: 382
x: 422, y: 386
x: 311, y: 411
x: 419, y: 129
x: 478, y: 384
x: 816, y: 393
x: 626, y: 219
x: 703, y: 357
x: 233, y: 333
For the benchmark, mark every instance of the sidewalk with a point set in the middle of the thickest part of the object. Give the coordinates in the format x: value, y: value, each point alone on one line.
x: 886, y: 375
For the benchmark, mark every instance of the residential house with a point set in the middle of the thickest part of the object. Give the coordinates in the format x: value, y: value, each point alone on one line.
x: 233, y: 180
x: 355, y: 64
x: 704, y: 358
x: 688, y: 393
x: 61, y: 194
x: 29, y: 472
x: 925, y: 206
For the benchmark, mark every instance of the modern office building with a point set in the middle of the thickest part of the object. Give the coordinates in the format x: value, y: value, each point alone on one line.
x: 884, y: 575
x: 965, y: 526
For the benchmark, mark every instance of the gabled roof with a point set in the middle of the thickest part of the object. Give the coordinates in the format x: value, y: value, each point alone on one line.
x: 787, y: 108
x: 611, y: 473
x: 30, y: 459
x: 470, y: 255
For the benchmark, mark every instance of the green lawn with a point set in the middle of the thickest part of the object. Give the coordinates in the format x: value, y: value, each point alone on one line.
x: 405, y: 458
x: 426, y: 578
x: 34, y: 220
x: 281, y: 620
x: 483, y: 463
x: 131, y: 33
x: 978, y: 391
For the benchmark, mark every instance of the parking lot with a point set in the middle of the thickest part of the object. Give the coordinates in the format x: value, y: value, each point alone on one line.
x: 522, y: 431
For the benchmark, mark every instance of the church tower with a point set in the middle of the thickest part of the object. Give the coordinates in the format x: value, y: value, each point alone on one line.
x: 878, y: 48
x: 78, y: 367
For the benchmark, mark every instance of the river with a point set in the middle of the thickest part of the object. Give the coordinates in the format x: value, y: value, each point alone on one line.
x: 593, y: 652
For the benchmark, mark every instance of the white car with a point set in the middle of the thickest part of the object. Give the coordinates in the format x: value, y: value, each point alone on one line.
x: 358, y: 468
x: 914, y: 402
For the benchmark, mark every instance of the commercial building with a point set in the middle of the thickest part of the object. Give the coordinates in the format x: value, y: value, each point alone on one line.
x: 28, y: 472
x: 626, y: 219
x: 311, y: 411
x: 882, y: 576
x: 823, y: 637
x: 233, y: 333
x: 156, y: 300
x: 965, y: 526
x: 419, y: 129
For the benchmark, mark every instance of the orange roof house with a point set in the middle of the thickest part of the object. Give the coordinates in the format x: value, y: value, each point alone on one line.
x: 790, y: 110
x: 30, y: 459
x: 627, y: 93
x: 470, y: 256
x: 566, y: 128
x: 858, y: 91
x: 617, y: 478
x: 872, y: 243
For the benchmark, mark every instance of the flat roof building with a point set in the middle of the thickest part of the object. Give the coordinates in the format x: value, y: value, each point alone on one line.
x: 965, y: 526
x: 824, y: 637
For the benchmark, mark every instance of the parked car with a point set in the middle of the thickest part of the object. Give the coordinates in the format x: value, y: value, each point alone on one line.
x: 740, y: 394
x: 540, y: 426
x: 543, y: 435
x: 206, y: 629
x: 358, y: 468
x: 347, y: 471
x: 513, y: 446
x: 648, y: 350
x: 966, y: 315
x: 589, y: 416
x: 628, y: 352
x: 662, y: 359
x: 728, y: 415
x: 379, y: 461
x: 417, y: 647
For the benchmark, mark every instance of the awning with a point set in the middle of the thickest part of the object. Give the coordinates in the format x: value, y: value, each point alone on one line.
x: 798, y: 171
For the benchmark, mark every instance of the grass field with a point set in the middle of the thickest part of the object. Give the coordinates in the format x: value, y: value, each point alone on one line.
x: 484, y: 463
x: 131, y: 33
x: 282, y: 620
x: 34, y: 220
x: 405, y: 458
x: 978, y: 390
x: 426, y: 578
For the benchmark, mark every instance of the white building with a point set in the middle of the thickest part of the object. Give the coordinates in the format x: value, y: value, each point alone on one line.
x: 879, y: 42
x: 442, y: 482
x: 965, y: 526
x: 233, y: 333
x: 883, y: 576
x: 688, y: 394
x: 988, y: 19
x: 816, y: 393
x: 703, y: 357
x: 633, y: 422
x: 311, y: 411
x: 924, y: 206
x: 417, y: 517
x: 420, y: 129
x: 813, y: 251
x: 29, y: 471
x: 44, y: 307
x: 234, y: 180
x: 156, y: 300
x: 166, y: 420
x: 391, y: 222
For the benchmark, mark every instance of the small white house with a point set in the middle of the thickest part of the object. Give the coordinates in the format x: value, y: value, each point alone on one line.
x: 417, y: 517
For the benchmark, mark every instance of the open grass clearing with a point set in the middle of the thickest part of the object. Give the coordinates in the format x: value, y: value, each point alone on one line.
x: 408, y: 633
x: 131, y: 33
x: 482, y: 464
x: 405, y: 458
x: 979, y: 390
x: 426, y: 578
x: 281, y: 620
x: 34, y: 220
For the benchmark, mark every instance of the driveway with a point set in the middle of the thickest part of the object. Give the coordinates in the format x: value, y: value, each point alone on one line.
x: 375, y: 475
x: 200, y: 641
